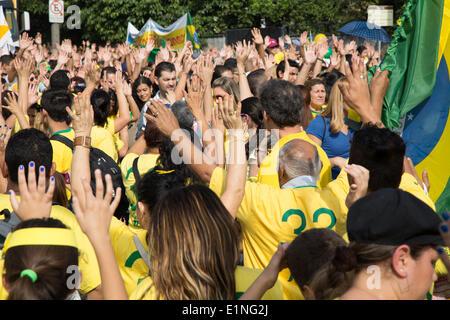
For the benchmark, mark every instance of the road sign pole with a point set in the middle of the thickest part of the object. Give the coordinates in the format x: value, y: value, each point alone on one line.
x: 55, y: 34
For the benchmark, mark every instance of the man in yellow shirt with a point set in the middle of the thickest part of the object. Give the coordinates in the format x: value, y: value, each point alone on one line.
x: 269, y: 215
x: 32, y: 145
x: 282, y: 103
x: 54, y: 103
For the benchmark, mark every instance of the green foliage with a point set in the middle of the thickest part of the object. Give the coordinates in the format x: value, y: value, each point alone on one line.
x: 103, y: 20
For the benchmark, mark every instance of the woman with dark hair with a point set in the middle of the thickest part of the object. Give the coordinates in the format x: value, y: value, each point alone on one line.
x: 101, y: 138
x: 142, y: 91
x: 253, y: 122
x: 392, y: 250
x: 141, y: 157
x: 316, y: 96
x: 36, y: 269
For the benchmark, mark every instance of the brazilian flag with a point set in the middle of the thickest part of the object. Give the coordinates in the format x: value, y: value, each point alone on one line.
x: 191, y: 34
x: 418, y: 99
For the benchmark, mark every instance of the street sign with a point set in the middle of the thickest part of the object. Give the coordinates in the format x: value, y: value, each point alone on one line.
x: 382, y: 16
x: 56, y: 11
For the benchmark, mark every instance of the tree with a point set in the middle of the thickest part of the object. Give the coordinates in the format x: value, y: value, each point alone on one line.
x: 103, y: 20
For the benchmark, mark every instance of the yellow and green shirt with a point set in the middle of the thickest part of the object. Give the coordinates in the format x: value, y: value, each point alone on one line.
x: 145, y: 163
x: 269, y: 215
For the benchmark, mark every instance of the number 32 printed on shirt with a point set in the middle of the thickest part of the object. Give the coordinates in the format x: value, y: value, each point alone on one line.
x: 317, y: 213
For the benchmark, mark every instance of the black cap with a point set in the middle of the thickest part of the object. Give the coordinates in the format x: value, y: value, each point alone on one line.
x: 393, y: 217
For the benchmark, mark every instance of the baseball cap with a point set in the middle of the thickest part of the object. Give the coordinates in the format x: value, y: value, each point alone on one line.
x: 393, y: 217
x: 272, y: 43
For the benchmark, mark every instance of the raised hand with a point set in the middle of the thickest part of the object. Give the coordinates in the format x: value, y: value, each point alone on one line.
x: 162, y: 117
x: 242, y: 53
x: 25, y: 41
x: 82, y: 115
x: 150, y: 45
x: 35, y: 202
x: 322, y: 48
x: 358, y: 177
x: 230, y: 113
x: 63, y: 58
x: 33, y: 96
x: 23, y: 68
x: 194, y: 96
x: 356, y: 92
x: 310, y: 54
x: 12, y: 103
x: 304, y: 38
x: 257, y: 37
x: 96, y: 217
x: 205, y: 69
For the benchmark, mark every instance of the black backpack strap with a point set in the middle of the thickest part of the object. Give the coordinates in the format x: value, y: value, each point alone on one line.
x: 62, y: 139
x: 137, y: 176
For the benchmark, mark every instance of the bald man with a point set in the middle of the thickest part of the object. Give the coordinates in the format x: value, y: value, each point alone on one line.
x: 269, y: 215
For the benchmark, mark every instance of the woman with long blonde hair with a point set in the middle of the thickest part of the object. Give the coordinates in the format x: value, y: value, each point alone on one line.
x: 330, y: 131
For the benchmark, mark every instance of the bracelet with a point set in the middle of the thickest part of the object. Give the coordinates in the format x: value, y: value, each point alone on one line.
x: 82, y: 141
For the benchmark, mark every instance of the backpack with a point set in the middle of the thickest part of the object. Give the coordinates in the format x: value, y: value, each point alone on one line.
x: 7, y: 224
x: 98, y: 159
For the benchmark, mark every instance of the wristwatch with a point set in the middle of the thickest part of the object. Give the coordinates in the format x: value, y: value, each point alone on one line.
x: 83, y: 141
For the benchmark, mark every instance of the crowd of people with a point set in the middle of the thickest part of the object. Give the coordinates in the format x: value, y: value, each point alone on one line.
x: 258, y: 171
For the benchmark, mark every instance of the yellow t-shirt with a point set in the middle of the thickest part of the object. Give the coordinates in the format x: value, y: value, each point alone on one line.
x: 103, y: 140
x: 17, y: 127
x: 62, y: 154
x: 244, y: 277
x: 132, y: 267
x: 145, y: 163
x: 268, y: 173
x: 110, y: 127
x: 87, y: 261
x: 269, y: 216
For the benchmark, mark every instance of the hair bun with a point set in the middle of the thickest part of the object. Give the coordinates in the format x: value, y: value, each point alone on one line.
x: 344, y: 259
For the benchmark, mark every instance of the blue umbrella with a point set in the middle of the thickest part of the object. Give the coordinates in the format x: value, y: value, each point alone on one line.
x: 365, y: 30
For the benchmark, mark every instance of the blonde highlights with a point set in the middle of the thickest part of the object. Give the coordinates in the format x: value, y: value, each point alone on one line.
x: 335, y: 107
x: 193, y: 246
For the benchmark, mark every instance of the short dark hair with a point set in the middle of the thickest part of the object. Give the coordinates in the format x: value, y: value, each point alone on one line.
x: 25, y: 146
x: 107, y: 70
x: 255, y: 80
x: 231, y: 63
x: 218, y: 71
x: 164, y: 66
x: 6, y: 59
x: 100, y: 102
x: 55, y: 101
x: 60, y: 80
x: 282, y: 64
x: 360, y: 49
x: 283, y: 102
x: 380, y: 151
